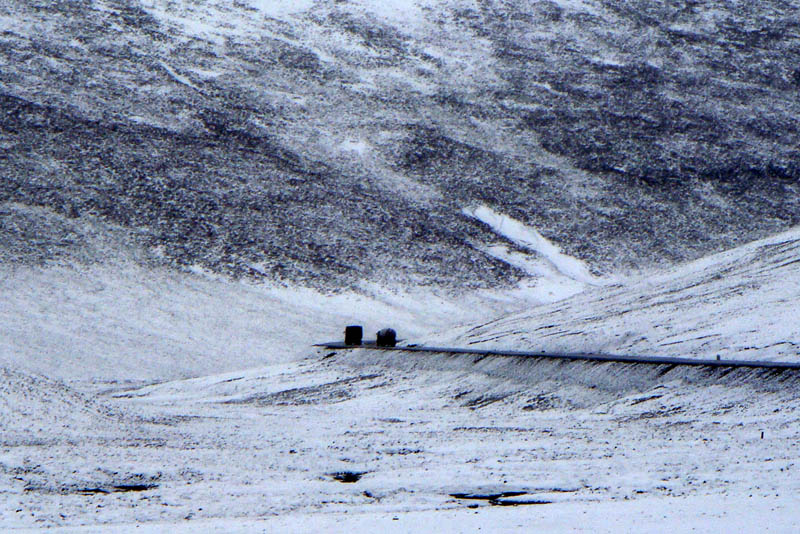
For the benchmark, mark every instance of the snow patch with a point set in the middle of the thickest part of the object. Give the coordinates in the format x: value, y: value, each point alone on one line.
x: 183, y: 80
x: 403, y: 12
x: 529, y: 238
x: 579, y: 6
x: 8, y: 23
x: 281, y: 8
x: 359, y: 146
x: 548, y: 286
x: 188, y: 23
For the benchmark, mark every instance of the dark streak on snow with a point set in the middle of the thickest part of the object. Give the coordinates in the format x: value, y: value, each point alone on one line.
x: 347, y: 477
x: 500, y: 499
x: 93, y: 490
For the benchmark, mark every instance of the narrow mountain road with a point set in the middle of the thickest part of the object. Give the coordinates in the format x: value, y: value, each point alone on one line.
x: 598, y: 357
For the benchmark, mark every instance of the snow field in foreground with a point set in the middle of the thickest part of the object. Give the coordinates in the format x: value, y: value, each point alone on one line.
x: 222, y: 451
x: 699, y: 514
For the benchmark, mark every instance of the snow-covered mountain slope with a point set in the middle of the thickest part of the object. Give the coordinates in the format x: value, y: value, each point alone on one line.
x: 739, y: 304
x: 129, y: 318
x: 332, y: 141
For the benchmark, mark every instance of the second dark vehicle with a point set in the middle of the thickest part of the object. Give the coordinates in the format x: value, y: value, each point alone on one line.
x: 386, y: 338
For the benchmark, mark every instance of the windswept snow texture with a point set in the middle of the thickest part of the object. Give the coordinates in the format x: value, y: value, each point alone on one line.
x: 194, y: 192
x: 740, y: 304
x: 380, y: 435
x: 120, y: 322
x: 37, y: 410
x: 336, y: 141
x: 269, y: 443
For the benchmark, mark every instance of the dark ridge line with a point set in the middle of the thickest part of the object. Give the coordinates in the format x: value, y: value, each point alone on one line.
x: 599, y: 357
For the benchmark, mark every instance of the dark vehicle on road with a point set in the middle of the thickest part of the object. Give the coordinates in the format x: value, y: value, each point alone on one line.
x: 353, y: 335
x: 386, y: 338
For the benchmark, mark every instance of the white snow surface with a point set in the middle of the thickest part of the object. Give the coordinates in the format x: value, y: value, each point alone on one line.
x: 122, y: 322
x: 281, y: 8
x: 738, y: 304
x: 178, y: 78
x: 261, y: 449
x: 206, y: 396
x: 699, y: 514
x: 553, y: 275
x: 530, y: 239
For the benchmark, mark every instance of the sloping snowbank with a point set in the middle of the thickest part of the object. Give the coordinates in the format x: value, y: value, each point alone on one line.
x: 124, y: 322
x: 739, y: 304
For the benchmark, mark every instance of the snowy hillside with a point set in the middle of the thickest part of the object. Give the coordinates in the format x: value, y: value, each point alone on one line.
x: 119, y: 320
x: 328, y: 142
x: 739, y: 304
x: 311, y: 440
x: 123, y: 323
x: 193, y: 193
